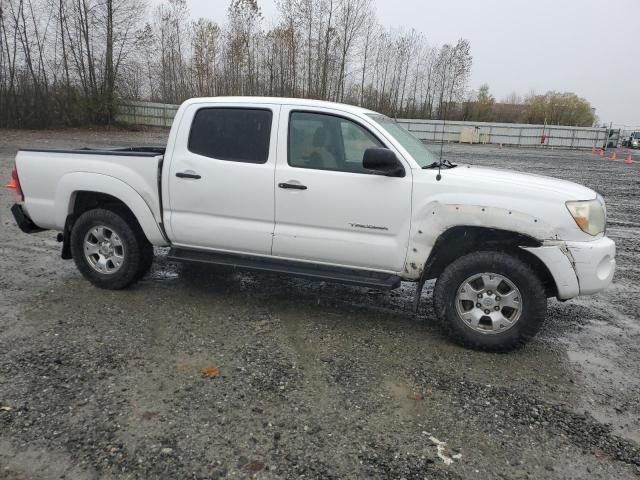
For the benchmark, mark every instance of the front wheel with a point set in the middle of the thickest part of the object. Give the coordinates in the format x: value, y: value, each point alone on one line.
x: 110, y: 249
x: 490, y: 300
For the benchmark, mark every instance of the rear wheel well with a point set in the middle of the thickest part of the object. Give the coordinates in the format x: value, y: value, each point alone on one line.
x: 461, y: 240
x: 84, y: 201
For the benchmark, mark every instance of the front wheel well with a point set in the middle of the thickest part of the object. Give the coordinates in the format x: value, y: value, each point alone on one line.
x: 462, y: 240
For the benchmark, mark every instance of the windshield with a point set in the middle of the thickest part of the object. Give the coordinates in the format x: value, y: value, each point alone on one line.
x: 411, y: 144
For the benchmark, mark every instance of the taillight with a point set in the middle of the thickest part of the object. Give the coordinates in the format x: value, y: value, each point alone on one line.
x: 14, y: 184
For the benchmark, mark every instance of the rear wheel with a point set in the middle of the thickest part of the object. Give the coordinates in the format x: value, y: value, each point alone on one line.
x: 110, y: 249
x: 490, y: 300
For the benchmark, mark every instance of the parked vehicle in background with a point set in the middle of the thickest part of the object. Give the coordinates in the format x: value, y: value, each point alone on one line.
x: 324, y: 191
x: 632, y: 141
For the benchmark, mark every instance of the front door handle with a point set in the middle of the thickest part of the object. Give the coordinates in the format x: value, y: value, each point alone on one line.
x: 294, y: 186
x: 194, y: 176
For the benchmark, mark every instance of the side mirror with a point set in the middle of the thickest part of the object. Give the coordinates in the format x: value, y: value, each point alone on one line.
x: 383, y: 162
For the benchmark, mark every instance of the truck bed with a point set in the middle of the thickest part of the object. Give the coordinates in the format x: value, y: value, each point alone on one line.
x: 50, y: 178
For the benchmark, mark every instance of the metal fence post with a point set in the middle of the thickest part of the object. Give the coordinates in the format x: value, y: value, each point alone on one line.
x: 520, y: 136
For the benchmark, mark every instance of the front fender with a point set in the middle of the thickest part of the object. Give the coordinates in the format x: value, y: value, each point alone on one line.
x: 436, y: 217
x: 78, y: 181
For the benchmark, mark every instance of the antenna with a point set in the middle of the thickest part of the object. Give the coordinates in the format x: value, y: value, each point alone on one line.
x: 444, y: 123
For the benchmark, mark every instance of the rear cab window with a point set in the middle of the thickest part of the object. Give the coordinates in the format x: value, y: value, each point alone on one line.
x: 231, y: 134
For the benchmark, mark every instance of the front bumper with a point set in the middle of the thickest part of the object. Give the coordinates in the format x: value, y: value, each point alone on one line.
x: 579, y: 268
x: 22, y: 219
x: 594, y: 264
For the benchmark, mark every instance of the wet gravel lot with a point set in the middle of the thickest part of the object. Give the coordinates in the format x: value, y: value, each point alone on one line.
x: 307, y: 380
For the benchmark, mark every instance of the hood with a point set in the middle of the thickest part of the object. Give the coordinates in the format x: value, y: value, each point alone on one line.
x: 527, y: 184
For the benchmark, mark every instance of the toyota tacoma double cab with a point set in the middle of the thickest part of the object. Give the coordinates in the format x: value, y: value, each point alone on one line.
x: 324, y: 191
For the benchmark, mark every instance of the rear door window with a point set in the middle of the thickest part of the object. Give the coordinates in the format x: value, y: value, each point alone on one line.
x: 232, y: 134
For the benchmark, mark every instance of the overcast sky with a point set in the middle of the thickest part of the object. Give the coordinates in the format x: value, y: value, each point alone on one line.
x: 590, y: 47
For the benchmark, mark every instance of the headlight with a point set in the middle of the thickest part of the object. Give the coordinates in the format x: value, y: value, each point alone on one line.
x: 590, y: 215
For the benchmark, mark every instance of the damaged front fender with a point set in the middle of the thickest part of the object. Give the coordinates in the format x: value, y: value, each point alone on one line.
x: 435, y: 218
x: 446, y: 231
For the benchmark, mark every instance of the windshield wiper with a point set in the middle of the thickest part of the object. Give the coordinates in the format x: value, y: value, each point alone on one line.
x: 445, y: 164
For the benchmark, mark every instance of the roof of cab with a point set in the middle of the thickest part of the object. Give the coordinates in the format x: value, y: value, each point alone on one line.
x: 302, y: 102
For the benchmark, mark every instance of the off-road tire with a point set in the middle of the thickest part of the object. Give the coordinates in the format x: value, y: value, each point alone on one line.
x: 145, y: 261
x: 138, y: 254
x: 533, y: 301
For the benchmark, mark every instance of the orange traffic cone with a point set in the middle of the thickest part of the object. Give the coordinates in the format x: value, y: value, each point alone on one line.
x: 613, y: 156
x: 628, y: 160
x: 601, y: 153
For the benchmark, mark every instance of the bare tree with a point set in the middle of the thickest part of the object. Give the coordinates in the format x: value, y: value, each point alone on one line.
x: 206, y: 46
x: 352, y: 15
x: 370, y: 31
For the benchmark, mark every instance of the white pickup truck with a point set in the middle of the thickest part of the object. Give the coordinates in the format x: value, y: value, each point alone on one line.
x: 325, y: 191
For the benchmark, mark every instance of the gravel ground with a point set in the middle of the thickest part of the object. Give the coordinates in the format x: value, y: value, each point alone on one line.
x: 313, y: 380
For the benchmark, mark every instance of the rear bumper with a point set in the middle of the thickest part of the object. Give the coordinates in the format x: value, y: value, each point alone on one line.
x: 594, y: 264
x: 22, y: 219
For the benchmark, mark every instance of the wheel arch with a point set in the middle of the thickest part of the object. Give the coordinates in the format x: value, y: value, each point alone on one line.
x: 462, y: 240
x: 74, y: 198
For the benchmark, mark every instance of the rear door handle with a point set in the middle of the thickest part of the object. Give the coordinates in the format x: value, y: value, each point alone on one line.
x: 294, y: 186
x: 194, y: 176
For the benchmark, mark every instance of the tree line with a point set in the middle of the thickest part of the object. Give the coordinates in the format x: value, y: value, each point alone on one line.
x: 553, y: 108
x: 69, y: 62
